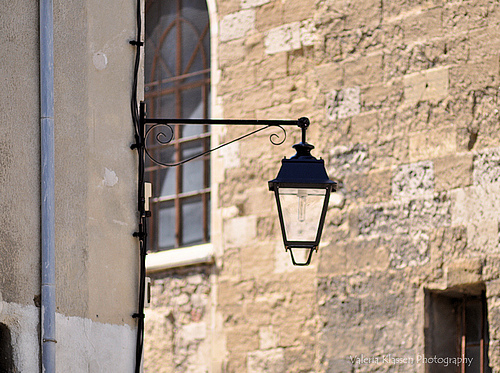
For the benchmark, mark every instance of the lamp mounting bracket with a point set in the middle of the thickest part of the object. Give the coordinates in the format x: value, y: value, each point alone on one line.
x: 162, y: 131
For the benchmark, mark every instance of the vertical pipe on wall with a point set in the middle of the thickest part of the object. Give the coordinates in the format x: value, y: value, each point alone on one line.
x: 48, y: 292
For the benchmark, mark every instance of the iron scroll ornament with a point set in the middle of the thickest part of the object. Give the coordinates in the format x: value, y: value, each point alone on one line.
x: 163, y: 139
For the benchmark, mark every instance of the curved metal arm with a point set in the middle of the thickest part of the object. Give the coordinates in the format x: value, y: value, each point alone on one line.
x: 164, y: 138
x: 161, y: 135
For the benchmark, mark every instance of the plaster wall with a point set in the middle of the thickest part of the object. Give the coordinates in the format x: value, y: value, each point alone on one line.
x: 95, y: 183
x: 95, y: 169
x: 19, y: 147
x: 83, y: 345
x: 22, y: 322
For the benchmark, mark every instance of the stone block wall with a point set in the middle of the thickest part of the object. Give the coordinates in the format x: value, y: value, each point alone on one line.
x: 178, y: 321
x: 402, y: 98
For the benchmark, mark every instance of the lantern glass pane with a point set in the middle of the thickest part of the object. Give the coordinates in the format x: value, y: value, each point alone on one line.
x: 301, y: 210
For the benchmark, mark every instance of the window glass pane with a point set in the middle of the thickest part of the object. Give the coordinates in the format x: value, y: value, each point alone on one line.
x: 209, y: 108
x: 170, y: 94
x: 165, y: 107
x: 196, y: 108
x: 192, y: 130
x: 159, y: 14
x: 192, y: 59
x: 166, y: 226
x: 166, y: 176
x: 165, y: 63
x: 473, y: 353
x: 192, y: 221
x: 192, y: 108
x: 161, y: 33
x: 196, y: 54
x: 208, y: 180
x: 196, y: 11
x: 209, y: 219
x: 192, y: 172
x: 473, y: 318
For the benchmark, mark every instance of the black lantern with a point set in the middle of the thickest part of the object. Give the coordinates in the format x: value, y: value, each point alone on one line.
x: 302, y: 189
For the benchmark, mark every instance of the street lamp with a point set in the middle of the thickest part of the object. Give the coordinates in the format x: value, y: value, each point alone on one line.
x: 302, y: 190
x: 302, y: 187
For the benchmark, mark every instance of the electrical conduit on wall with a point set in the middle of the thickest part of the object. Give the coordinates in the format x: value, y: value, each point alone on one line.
x: 48, y: 292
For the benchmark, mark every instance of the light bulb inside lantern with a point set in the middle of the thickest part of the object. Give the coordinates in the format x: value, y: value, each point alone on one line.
x: 302, y: 194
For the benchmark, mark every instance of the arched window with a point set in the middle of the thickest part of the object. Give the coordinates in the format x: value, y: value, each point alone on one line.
x: 177, y: 85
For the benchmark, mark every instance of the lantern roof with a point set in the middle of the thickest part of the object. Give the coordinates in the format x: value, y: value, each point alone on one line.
x: 302, y: 170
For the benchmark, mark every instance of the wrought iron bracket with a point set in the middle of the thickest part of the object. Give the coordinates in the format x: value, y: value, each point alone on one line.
x: 166, y: 134
x: 163, y: 137
x: 136, y: 43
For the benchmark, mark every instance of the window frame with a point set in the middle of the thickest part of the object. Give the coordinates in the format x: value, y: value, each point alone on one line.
x: 483, y: 343
x: 451, y: 305
x: 179, y: 82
